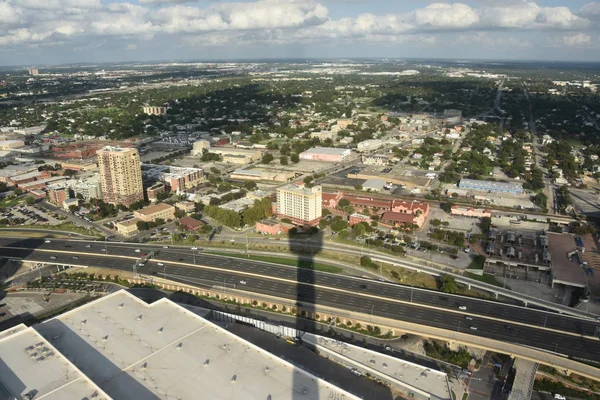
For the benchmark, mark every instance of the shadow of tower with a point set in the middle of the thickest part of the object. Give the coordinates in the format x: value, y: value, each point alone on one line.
x: 305, y: 247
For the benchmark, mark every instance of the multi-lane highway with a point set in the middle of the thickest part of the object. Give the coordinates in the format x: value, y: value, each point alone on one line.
x: 546, y: 330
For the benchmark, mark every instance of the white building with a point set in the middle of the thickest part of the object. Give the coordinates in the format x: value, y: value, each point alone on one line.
x: 368, y: 145
x: 299, y: 203
x: 328, y: 154
x: 199, y: 146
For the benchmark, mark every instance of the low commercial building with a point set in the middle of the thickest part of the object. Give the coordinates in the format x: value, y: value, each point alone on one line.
x: 263, y: 175
x: 88, y: 188
x: 373, y: 185
x: 185, y: 206
x: 357, y: 218
x: 491, y: 186
x: 127, y: 228
x: 162, y: 211
x: 199, y: 146
x: 85, y: 165
x: 470, y: 212
x: 397, y: 219
x: 40, y: 184
x: 375, y: 159
x: 368, y: 145
x: 120, y: 347
x: 269, y: 227
x: 28, y: 177
x: 226, y: 152
x: 191, y: 224
x: 67, y: 203
x: 237, y: 159
x: 327, y: 154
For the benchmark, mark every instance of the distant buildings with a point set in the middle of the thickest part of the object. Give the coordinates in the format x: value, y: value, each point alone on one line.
x: 150, y: 110
x: 374, y: 185
x: 162, y: 211
x: 33, y: 71
x: 327, y: 154
x: 491, y: 186
x: 262, y: 175
x: 302, y: 205
x: 153, y: 191
x: 120, y: 175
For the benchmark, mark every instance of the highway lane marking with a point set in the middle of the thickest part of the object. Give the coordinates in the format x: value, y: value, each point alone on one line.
x: 390, y: 284
x: 287, y: 281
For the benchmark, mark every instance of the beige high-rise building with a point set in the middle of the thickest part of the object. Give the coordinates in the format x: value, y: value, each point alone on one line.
x: 120, y: 175
x: 300, y: 204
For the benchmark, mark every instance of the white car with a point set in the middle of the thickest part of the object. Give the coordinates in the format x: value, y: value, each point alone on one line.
x: 47, y: 241
x: 53, y: 257
x: 161, y: 264
x: 466, y: 249
x: 102, y: 249
x: 194, y: 248
x: 242, y: 282
x: 165, y: 247
x: 88, y: 245
x: 462, y: 307
x: 138, y: 251
x: 473, y: 328
x: 141, y: 264
x: 469, y: 318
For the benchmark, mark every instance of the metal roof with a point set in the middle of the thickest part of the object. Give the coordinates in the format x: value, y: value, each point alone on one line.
x: 135, y: 350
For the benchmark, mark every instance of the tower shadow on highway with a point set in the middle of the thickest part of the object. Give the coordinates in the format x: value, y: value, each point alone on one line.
x: 305, y: 246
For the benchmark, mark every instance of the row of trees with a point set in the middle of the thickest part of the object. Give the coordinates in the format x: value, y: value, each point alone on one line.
x: 233, y: 219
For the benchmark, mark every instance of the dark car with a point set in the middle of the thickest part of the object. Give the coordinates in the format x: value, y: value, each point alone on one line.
x: 362, y: 286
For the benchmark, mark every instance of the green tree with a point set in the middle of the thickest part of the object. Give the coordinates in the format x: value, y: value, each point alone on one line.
x: 267, y: 158
x: 30, y: 200
x: 283, y: 160
x: 295, y: 158
x: 448, y: 284
x: 339, y: 225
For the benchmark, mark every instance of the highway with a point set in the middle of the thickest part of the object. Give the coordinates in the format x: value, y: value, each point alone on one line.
x: 545, y: 330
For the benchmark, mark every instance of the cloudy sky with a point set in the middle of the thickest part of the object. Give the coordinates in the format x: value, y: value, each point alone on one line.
x: 36, y: 32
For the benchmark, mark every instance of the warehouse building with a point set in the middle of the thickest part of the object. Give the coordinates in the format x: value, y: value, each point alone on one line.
x: 491, y: 186
x: 327, y: 154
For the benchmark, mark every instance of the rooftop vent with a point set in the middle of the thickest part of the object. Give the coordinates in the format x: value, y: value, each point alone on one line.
x: 139, y: 318
x: 234, y: 379
x: 160, y: 330
x: 84, y: 322
x: 207, y: 362
x: 121, y: 305
x: 144, y: 365
x: 179, y: 346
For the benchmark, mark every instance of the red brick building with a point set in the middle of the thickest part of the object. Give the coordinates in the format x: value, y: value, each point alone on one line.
x: 190, y: 223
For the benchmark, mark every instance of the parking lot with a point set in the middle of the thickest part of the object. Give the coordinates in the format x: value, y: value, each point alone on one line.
x: 29, y: 215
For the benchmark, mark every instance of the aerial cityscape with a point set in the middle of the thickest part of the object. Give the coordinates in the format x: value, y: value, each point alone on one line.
x: 279, y: 199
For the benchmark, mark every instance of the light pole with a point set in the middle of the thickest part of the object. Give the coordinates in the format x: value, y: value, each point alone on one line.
x: 458, y: 329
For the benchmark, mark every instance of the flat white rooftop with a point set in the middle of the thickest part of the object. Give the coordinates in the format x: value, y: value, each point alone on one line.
x: 135, y: 350
x: 29, y: 365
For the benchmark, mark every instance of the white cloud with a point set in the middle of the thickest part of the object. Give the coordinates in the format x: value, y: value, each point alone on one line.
x: 573, y: 40
x: 279, y: 21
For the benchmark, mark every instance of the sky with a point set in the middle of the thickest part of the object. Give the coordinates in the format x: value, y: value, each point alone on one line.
x: 43, y: 32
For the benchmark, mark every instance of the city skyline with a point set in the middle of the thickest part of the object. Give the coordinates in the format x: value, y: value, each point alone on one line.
x: 56, y: 32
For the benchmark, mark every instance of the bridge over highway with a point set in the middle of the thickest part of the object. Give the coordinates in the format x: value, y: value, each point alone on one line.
x: 519, y: 327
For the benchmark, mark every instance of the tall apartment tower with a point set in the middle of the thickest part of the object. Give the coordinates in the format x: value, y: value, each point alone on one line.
x: 120, y: 175
x: 300, y: 204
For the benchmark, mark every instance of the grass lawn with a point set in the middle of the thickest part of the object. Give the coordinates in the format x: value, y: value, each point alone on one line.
x: 64, y: 227
x: 6, y: 203
x: 486, y: 279
x: 285, y: 261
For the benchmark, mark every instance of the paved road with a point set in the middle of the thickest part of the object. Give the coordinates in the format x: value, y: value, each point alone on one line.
x: 521, y: 325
